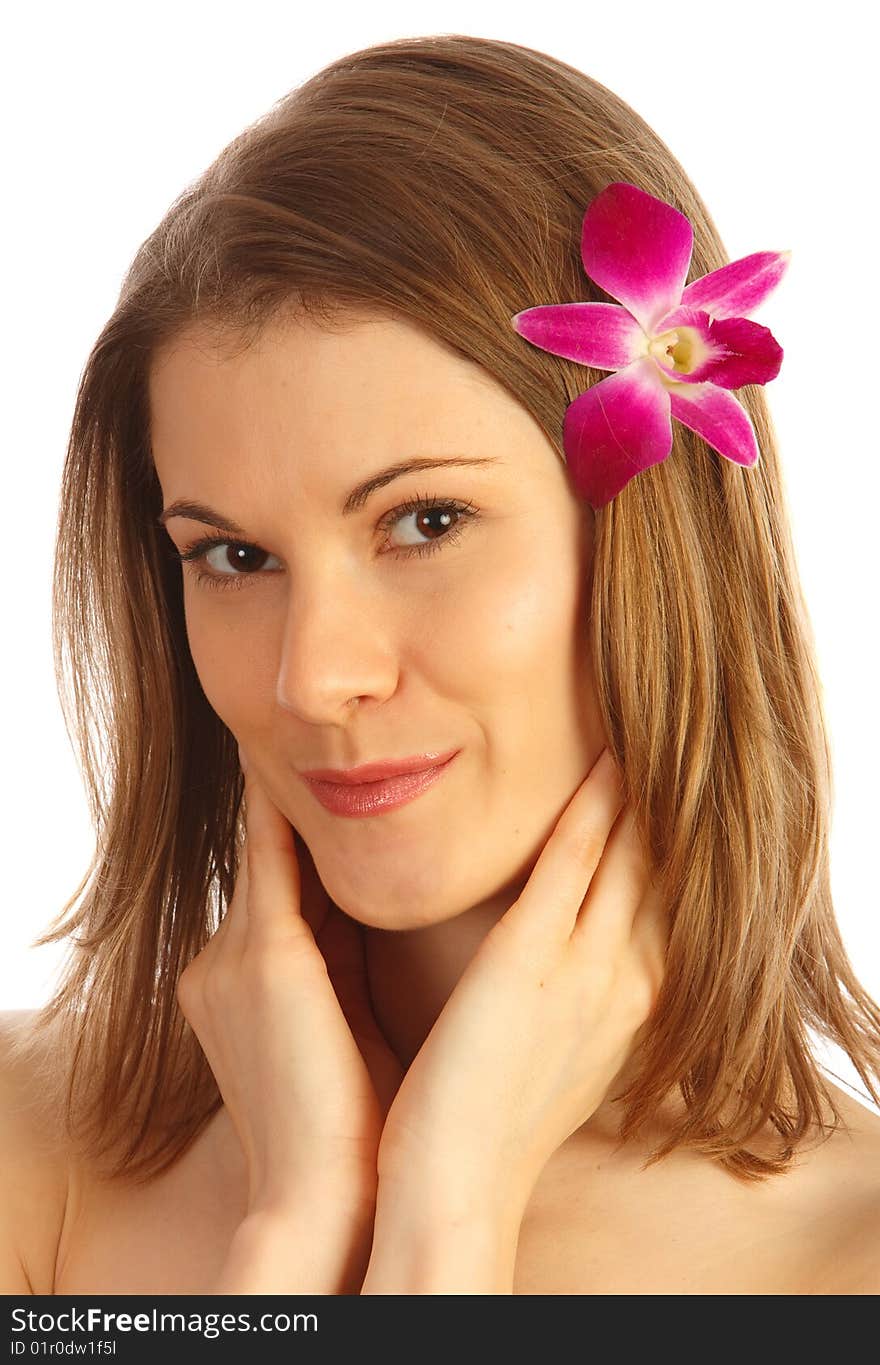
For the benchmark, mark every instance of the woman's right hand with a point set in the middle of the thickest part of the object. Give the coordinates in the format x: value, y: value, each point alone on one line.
x: 270, y: 998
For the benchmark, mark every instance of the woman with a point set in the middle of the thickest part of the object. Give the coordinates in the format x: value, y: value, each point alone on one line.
x: 537, y: 1020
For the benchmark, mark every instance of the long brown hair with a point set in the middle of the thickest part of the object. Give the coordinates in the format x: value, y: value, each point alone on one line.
x: 444, y: 180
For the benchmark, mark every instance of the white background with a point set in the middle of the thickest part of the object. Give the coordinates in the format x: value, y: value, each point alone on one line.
x: 108, y: 112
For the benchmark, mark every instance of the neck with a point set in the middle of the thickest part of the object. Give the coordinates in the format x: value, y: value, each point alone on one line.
x: 412, y: 972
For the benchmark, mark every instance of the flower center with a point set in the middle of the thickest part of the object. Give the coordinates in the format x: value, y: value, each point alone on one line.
x: 678, y: 349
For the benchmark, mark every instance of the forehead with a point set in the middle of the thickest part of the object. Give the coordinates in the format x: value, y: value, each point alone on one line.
x: 306, y: 395
x: 296, y: 354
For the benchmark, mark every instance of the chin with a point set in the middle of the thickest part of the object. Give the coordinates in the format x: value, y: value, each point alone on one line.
x: 407, y: 898
x: 374, y: 917
x: 384, y: 911
x: 418, y: 896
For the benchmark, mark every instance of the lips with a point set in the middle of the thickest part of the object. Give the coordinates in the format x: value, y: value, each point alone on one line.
x: 361, y: 798
x: 379, y: 771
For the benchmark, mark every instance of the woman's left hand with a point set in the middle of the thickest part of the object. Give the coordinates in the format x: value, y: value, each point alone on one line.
x: 542, y: 1019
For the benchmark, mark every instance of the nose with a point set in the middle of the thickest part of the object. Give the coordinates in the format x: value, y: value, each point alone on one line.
x: 338, y: 644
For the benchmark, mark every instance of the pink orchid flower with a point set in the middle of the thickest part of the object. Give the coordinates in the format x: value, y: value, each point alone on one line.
x: 675, y: 351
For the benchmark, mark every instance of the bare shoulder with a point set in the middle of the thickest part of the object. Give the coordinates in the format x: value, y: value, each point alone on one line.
x: 33, y: 1163
x: 848, y: 1201
x: 604, y: 1220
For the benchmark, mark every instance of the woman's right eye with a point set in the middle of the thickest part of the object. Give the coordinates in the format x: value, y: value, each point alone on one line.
x: 215, y: 578
x: 450, y: 518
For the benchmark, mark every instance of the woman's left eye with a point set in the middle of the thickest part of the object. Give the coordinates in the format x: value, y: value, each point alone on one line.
x: 445, y: 521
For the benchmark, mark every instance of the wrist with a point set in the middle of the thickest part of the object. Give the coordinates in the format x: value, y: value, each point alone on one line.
x: 453, y: 1185
x: 429, y: 1239
x: 336, y: 1201
x: 307, y: 1249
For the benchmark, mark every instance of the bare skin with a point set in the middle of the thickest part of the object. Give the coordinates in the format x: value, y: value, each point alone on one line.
x: 596, y: 1223
x: 509, y: 902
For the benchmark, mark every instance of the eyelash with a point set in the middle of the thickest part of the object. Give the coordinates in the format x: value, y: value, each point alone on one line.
x: 466, y: 511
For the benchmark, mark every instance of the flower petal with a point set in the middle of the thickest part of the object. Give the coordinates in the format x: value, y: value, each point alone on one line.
x: 615, y: 429
x: 603, y: 335
x: 729, y: 352
x: 638, y: 249
x: 715, y: 415
x: 754, y: 356
x: 738, y: 288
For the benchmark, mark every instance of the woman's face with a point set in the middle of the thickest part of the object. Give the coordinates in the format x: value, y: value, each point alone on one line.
x: 477, y: 644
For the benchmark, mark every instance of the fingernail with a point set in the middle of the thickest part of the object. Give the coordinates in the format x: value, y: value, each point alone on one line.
x: 242, y: 759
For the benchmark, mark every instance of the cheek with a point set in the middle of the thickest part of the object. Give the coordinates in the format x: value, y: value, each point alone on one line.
x: 513, y: 621
x: 232, y: 673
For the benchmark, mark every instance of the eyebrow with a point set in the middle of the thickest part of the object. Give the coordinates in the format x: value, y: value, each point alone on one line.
x: 198, y: 511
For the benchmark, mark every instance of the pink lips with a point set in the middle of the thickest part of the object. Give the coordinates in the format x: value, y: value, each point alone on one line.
x: 362, y: 792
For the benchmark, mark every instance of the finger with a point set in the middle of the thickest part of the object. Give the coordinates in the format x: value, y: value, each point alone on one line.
x: 232, y: 929
x: 314, y: 900
x: 650, y: 936
x: 273, y: 875
x: 619, y: 886
x: 561, y: 878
